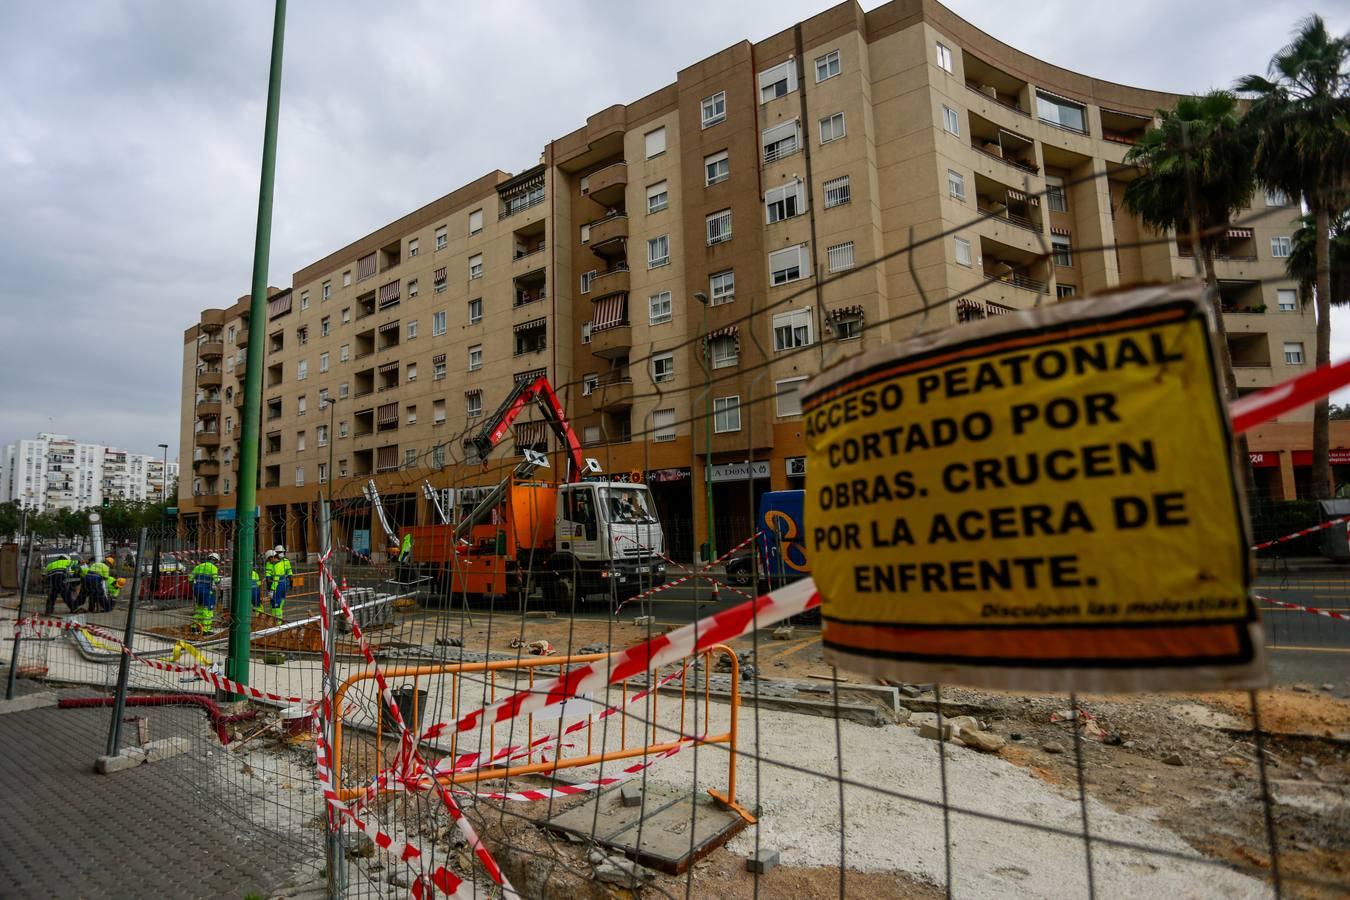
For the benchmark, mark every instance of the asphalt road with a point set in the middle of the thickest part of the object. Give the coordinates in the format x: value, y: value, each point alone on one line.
x: 1307, y: 648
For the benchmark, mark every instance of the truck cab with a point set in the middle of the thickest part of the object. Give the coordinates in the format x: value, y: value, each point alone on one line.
x: 609, y: 540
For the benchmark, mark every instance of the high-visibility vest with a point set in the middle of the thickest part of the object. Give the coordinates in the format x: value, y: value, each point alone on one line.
x: 206, y: 571
x: 58, y: 565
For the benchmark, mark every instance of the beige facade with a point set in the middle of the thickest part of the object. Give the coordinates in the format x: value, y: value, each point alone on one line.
x: 767, y: 178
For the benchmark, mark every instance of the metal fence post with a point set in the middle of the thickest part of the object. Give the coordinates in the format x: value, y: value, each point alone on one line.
x: 23, y: 596
x: 124, y: 665
x: 335, y: 857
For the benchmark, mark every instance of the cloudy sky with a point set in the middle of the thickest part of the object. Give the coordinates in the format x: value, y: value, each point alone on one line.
x: 131, y: 133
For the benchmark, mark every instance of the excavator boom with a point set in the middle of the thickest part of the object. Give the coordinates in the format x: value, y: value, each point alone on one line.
x: 537, y: 391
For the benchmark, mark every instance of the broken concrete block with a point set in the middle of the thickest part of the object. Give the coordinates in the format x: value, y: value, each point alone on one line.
x: 1052, y: 747
x: 630, y: 794
x: 959, y: 723
x: 981, y: 740
x: 106, y: 765
x: 783, y: 633
x: 762, y: 861
x: 930, y: 730
x: 644, y: 620
x: 164, y: 748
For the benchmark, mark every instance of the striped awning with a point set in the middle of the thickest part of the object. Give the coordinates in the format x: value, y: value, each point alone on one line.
x: 388, y: 293
x: 387, y: 414
x: 531, y: 375
x: 365, y: 266
x: 533, y: 323
x: 1239, y: 232
x: 528, y: 434
x: 1003, y: 132
x: 1053, y: 95
x: 1059, y: 230
x: 389, y: 326
x: 386, y: 457
x: 473, y: 391
x: 609, y: 312
x: 439, y: 274
x: 388, y: 367
x: 279, y: 305
x: 848, y: 312
x: 1018, y: 195
x: 731, y: 331
x: 438, y: 359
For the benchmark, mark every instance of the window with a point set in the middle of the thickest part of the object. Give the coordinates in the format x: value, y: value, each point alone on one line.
x: 302, y: 370
x: 714, y: 108
x: 437, y: 412
x: 343, y: 390
x: 655, y: 142
x: 412, y: 287
x: 347, y: 278
x: 1286, y: 299
x: 719, y: 227
x: 323, y: 362
x: 840, y: 257
x: 1060, y: 111
x: 832, y: 128
x: 325, y: 326
x: 663, y: 366
x: 412, y: 413
x: 837, y: 192
x: 792, y: 329
x: 342, y: 468
x: 476, y: 266
x: 663, y: 425
x: 589, y: 383
x: 1064, y: 291
x: 441, y: 238
x: 412, y: 371
x: 475, y: 310
x: 438, y: 280
x: 788, y: 397
x: 658, y: 197
x: 1293, y: 353
x: 321, y: 435
x: 827, y: 66
x: 474, y: 403
x: 409, y: 457
x: 586, y: 279
x: 724, y: 351
x: 956, y: 185
x: 726, y: 414
x: 780, y: 140
x: 591, y: 436
x: 475, y: 357
x: 229, y: 334
x: 848, y: 327
x: 413, y: 245
x: 299, y: 441
x: 1276, y: 197
x: 300, y: 405
x: 299, y: 476
x: 951, y: 123
x: 658, y: 251
x: 661, y: 308
x: 344, y: 352
x: 785, y: 201
x: 1060, y: 250
x: 716, y: 168
x: 304, y: 299
x: 585, y: 233
x: 327, y: 289
x: 944, y: 57
x: 585, y: 332
x: 346, y: 315
x: 475, y: 221
x: 788, y: 264
x: 301, y: 335
x: 778, y: 81
x: 412, y: 329
x: 438, y: 368
x: 1280, y: 247
x: 722, y: 287
x: 323, y: 473
x: 438, y: 323
x: 1055, y: 197
x: 962, y: 247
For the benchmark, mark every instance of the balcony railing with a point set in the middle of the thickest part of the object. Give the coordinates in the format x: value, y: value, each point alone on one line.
x: 1017, y: 279
x: 1012, y: 161
x: 999, y: 100
x: 1011, y: 218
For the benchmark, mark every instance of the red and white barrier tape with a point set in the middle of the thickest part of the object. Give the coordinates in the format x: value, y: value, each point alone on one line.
x: 695, y: 574
x: 1298, y: 534
x: 1315, y: 610
x: 571, y: 790
x: 1253, y: 409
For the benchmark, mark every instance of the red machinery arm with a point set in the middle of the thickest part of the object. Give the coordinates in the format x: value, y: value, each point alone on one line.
x: 499, y: 423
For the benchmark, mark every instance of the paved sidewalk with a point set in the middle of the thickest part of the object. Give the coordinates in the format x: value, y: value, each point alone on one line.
x: 146, y: 832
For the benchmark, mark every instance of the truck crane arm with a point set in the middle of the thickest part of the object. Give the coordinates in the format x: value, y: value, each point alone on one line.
x: 499, y: 423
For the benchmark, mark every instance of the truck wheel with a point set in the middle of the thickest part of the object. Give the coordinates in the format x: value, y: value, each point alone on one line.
x: 564, y: 589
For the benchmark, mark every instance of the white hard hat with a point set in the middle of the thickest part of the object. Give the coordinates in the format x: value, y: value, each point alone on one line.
x: 279, y: 549
x: 269, y: 554
x: 214, y: 557
x: 63, y: 556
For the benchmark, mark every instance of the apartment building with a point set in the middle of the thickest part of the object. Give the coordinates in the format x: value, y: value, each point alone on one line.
x: 56, y: 471
x: 679, y: 265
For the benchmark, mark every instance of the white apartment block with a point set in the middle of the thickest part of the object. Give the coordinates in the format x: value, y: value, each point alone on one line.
x: 55, y: 471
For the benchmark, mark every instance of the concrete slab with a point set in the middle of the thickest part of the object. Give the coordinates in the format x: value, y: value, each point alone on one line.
x: 30, y: 701
x: 666, y: 816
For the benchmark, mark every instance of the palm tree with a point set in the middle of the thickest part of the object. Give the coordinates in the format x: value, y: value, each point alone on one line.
x: 1301, y: 116
x: 1196, y: 174
x: 1302, y: 262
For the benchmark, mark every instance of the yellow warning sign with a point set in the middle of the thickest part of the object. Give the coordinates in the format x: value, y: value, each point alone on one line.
x: 1045, y: 493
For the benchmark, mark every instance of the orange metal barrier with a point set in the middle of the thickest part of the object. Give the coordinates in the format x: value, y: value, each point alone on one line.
x: 591, y: 757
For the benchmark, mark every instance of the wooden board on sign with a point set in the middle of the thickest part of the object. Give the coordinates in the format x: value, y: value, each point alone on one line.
x: 1042, y: 501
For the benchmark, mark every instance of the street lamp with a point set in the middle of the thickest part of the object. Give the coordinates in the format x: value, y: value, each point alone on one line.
x: 164, y: 476
x: 708, y: 427
x: 331, y: 403
x: 159, y: 532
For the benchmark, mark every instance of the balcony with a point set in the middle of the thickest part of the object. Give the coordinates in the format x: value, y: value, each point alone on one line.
x: 1241, y: 303
x: 211, y: 349
x: 607, y: 186
x: 529, y: 242
x: 521, y: 193
x: 617, y: 280
x: 1006, y: 204
x: 1123, y: 127
x: 609, y: 237
x: 209, y: 378
x: 241, y: 337
x: 614, y: 342
x: 613, y: 395
x: 206, y: 499
x: 208, y: 407
x: 1016, y: 150
x: 995, y: 85
x: 530, y: 288
x: 207, y: 439
x: 1013, y: 267
x: 207, y: 468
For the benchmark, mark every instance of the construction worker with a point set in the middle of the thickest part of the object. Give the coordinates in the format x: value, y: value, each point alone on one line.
x: 269, y: 563
x: 280, y: 581
x: 257, y: 590
x: 112, y: 584
x: 95, y: 585
x: 405, y: 549
x: 58, y: 583
x: 205, y: 580
x: 78, y: 569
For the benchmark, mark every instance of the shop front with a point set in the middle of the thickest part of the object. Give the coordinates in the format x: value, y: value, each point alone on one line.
x: 736, y: 489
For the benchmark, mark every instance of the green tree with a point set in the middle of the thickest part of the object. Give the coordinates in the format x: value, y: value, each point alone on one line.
x: 1195, y: 170
x: 1300, y: 115
x: 11, y: 517
x: 1302, y: 262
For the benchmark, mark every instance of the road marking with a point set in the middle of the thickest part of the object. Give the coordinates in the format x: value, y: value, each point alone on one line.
x: 1308, y: 649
